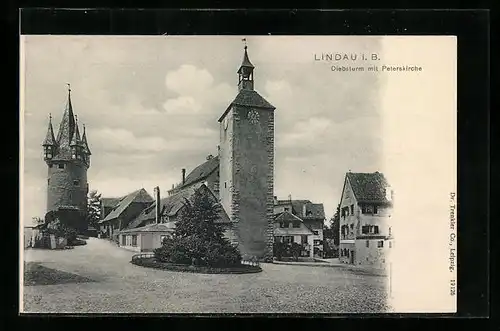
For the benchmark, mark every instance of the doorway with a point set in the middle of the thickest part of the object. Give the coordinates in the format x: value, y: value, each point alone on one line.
x: 352, y: 257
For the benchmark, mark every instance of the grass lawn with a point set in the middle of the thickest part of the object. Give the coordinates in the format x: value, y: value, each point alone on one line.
x: 119, y: 286
x: 36, y: 274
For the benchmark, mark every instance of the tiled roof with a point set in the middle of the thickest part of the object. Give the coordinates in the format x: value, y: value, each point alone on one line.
x: 168, y: 206
x: 248, y: 98
x: 136, y: 196
x: 110, y: 202
x: 67, y: 126
x: 315, y: 210
x: 201, y: 172
x: 171, y: 205
x: 368, y: 187
x: 246, y: 61
x: 76, y: 140
x: 84, y: 142
x: 251, y: 98
x: 50, y: 139
x: 297, y: 206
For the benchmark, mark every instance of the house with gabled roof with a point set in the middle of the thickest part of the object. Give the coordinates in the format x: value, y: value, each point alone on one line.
x: 365, y: 219
x: 206, y: 173
x: 311, y: 214
x: 289, y: 228
x: 147, y: 230
x: 124, y: 211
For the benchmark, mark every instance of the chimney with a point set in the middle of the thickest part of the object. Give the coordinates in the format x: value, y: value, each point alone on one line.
x: 183, y: 176
x: 290, y: 197
x: 218, y: 150
x: 275, y: 200
x: 157, y: 208
x: 209, y: 157
x: 304, y: 210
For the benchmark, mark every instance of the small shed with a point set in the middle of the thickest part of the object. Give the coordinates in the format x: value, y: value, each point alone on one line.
x: 146, y: 238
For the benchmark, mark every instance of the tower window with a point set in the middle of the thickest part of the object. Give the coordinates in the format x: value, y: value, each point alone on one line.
x: 76, y: 182
x: 61, y: 165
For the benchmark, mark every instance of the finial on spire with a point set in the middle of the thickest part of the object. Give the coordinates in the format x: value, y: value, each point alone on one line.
x: 69, y: 87
x: 245, y: 42
x: 50, y: 117
x: 76, y: 118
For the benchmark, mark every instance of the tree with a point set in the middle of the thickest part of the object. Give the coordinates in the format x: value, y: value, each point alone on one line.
x: 198, y: 238
x: 94, y: 209
x: 331, y: 235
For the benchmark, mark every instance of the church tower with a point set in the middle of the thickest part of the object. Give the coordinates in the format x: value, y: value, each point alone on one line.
x: 68, y: 159
x: 246, y: 170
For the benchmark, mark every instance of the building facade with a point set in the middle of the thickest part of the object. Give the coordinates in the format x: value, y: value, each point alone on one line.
x: 366, y: 236
x: 124, y: 211
x: 289, y: 228
x: 246, y: 172
x: 68, y: 159
x: 312, y: 215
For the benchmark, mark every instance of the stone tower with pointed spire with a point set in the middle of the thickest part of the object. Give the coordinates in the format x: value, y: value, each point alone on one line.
x: 68, y: 159
x: 247, y: 166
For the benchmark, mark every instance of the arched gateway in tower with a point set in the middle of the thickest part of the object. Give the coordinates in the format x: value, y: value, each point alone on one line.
x: 68, y: 159
x: 247, y: 166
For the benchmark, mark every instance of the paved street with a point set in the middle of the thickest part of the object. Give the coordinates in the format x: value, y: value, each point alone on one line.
x: 104, y: 281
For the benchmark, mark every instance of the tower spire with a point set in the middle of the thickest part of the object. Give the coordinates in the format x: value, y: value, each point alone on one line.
x: 49, y: 140
x: 76, y: 140
x: 84, y: 142
x: 67, y: 126
x: 245, y: 72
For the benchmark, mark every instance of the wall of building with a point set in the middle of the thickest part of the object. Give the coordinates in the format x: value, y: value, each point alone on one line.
x: 349, y: 219
x: 61, y: 189
x: 253, y: 178
x: 226, y: 163
x: 128, y: 241
x: 373, y: 255
x: 382, y: 221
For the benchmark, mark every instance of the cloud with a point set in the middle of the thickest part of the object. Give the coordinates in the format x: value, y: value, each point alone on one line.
x: 196, y: 92
x: 182, y: 105
x: 188, y: 80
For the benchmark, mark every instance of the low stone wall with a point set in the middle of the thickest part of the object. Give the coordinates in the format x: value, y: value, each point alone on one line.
x: 147, y: 260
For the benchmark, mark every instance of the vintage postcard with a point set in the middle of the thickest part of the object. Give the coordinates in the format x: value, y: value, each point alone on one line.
x: 238, y: 174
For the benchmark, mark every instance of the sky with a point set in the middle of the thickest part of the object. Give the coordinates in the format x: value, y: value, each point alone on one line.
x: 151, y: 105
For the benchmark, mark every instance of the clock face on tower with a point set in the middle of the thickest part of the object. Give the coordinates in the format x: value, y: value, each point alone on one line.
x: 253, y: 117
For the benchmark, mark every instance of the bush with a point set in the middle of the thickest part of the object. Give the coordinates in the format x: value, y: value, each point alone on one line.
x: 198, y: 239
x: 199, y: 252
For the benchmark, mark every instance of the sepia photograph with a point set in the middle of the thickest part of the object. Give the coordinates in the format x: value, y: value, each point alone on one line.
x: 238, y: 174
